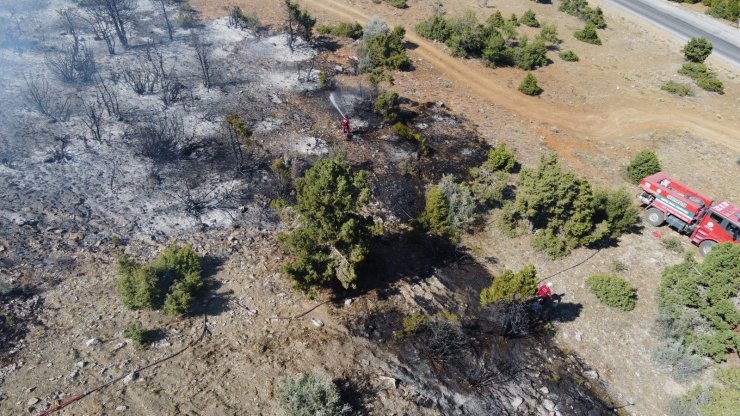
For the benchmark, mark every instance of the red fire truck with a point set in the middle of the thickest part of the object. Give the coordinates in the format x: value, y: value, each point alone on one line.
x: 689, y: 212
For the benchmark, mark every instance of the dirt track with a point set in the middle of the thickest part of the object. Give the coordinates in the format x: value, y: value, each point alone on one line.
x: 627, y: 119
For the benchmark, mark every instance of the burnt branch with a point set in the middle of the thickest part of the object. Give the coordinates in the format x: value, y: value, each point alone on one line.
x: 162, y: 4
x: 74, y: 64
x: 108, y: 97
x: 203, y: 53
x: 39, y: 95
x: 159, y: 139
x: 116, y: 13
x: 93, y: 119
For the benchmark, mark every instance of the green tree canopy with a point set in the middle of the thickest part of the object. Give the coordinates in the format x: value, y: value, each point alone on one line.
x: 521, y: 285
x: 331, y: 239
x: 696, y: 300
x: 697, y: 50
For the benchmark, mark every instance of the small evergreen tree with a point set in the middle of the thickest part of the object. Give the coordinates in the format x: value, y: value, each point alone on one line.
x: 332, y: 237
x: 529, y: 19
x: 588, y: 34
x: 643, y: 165
x: 697, y: 50
x: 569, y: 56
x: 387, y: 105
x: 521, y: 285
x: 613, y: 291
x: 696, y: 301
x: 529, y: 86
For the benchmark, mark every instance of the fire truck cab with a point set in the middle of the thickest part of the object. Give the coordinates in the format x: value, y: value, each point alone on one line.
x: 689, y: 212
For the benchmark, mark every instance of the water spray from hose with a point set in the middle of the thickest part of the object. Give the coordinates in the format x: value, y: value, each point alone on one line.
x: 333, y: 100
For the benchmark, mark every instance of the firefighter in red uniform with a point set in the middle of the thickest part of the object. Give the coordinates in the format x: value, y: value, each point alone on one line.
x: 544, y: 293
x: 345, y: 125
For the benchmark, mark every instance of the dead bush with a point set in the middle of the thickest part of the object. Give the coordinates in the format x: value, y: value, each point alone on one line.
x: 158, y: 139
x: 48, y: 101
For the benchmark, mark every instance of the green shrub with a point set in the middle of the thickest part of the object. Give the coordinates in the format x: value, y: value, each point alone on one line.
x: 400, y: 4
x: 643, y: 165
x: 500, y: 158
x: 436, y: 215
x: 450, y: 208
x: 342, y: 29
x: 695, y: 301
x: 697, y: 50
x: 521, y: 285
x: 565, y: 207
x: 548, y: 34
x: 387, y: 106
x: 137, y: 285
x: 682, y: 363
x: 332, y: 238
x: 724, y: 9
x: 588, y: 34
x: 694, y: 70
x: 413, y: 322
x: 496, y: 19
x: 529, y: 19
x: 682, y: 90
x: 403, y: 130
x: 309, y: 395
x: 711, y: 83
x: 487, y: 185
x: 547, y: 242
x: 175, y: 270
x: 614, y: 291
x: 529, y: 86
x: 617, y: 210
x: 462, y: 205
x: 583, y: 11
x: 672, y: 244
x: 138, y: 334
x: 704, y: 78
x: 382, y: 48
x: 529, y: 55
x: 435, y: 28
x: 717, y: 400
x: 569, y: 56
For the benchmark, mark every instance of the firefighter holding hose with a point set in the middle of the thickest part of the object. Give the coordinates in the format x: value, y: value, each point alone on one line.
x: 345, y: 125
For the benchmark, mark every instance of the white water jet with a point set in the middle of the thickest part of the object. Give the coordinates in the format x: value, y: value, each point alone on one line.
x: 333, y: 100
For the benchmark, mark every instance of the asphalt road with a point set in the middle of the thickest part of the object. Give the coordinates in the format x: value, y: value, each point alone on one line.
x: 686, y: 24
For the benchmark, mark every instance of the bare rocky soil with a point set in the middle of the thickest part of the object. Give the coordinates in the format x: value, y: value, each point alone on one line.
x: 69, y: 204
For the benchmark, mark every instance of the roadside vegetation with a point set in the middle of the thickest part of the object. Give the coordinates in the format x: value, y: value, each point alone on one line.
x: 496, y: 42
x: 721, y: 9
x: 342, y: 29
x: 696, y: 52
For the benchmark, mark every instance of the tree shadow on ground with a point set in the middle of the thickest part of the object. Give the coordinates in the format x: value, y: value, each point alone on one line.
x: 565, y: 312
x: 353, y: 392
x: 413, y: 255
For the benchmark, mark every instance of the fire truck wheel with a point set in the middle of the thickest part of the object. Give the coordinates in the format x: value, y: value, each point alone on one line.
x: 655, y: 217
x: 706, y: 246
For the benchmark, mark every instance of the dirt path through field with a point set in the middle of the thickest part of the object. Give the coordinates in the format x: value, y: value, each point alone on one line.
x: 625, y: 119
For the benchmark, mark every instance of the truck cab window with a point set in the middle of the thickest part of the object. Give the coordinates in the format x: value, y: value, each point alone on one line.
x: 734, y: 230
